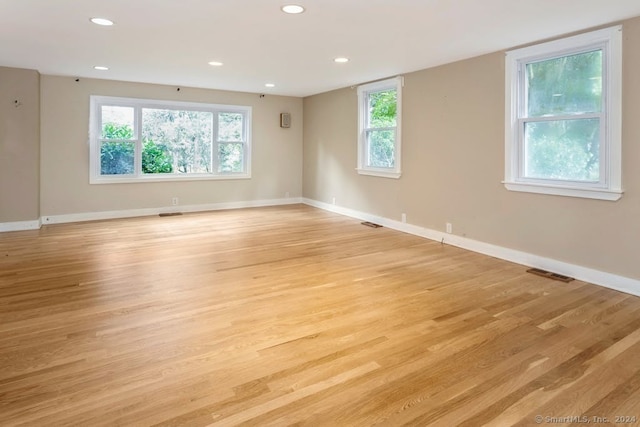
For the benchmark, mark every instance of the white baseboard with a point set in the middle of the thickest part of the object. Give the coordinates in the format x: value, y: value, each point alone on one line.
x: 130, y: 213
x: 608, y: 280
x: 19, y: 226
x: 94, y: 216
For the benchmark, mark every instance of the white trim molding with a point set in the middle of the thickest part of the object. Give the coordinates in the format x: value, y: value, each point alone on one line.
x: 601, y: 278
x: 382, y: 174
x: 585, y: 193
x: 19, y: 226
x: 131, y: 213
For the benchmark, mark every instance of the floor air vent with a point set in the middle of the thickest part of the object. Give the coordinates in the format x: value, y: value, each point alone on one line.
x: 371, y: 224
x: 550, y: 275
x: 170, y: 213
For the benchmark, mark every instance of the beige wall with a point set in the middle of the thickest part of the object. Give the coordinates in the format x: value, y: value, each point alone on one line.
x: 453, y: 164
x: 19, y: 145
x: 65, y: 188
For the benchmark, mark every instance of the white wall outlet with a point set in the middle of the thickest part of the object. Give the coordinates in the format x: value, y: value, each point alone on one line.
x: 286, y: 195
x: 333, y: 200
x: 404, y: 217
x: 449, y: 228
x: 174, y: 201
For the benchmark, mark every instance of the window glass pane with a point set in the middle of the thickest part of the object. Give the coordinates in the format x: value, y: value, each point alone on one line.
x: 381, y: 148
x: 181, y: 138
x: 566, y: 85
x: 230, y: 158
x: 382, y: 108
x: 156, y: 158
x: 563, y: 149
x: 117, y: 122
x: 116, y: 158
x: 230, y: 127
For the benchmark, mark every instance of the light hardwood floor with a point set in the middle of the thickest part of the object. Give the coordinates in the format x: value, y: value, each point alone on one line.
x: 292, y: 315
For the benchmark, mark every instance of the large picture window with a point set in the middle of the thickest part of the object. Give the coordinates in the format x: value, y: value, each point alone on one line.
x: 379, y: 140
x: 563, y: 132
x: 134, y: 140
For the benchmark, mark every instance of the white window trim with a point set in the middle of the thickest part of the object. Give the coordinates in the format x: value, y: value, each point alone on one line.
x: 95, y: 131
x: 394, y: 83
x: 610, y: 187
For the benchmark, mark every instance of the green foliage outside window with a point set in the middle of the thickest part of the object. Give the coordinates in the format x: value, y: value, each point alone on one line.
x: 184, y: 136
x: 117, y: 156
x: 156, y: 158
x: 230, y: 158
x: 383, y: 108
x: 116, y: 131
x: 568, y: 148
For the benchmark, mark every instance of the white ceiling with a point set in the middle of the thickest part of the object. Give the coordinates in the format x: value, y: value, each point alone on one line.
x: 171, y: 41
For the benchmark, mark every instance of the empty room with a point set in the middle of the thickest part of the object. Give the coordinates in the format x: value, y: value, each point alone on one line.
x: 336, y: 213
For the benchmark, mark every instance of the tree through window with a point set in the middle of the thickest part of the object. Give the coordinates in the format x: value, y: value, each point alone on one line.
x: 563, y: 132
x: 134, y: 139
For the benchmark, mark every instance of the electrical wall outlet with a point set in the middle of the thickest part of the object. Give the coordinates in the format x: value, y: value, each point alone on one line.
x: 333, y: 201
x: 404, y: 217
x: 449, y: 228
x: 174, y: 201
x: 286, y: 195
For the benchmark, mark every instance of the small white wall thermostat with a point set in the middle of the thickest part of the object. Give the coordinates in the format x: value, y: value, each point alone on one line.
x: 285, y: 120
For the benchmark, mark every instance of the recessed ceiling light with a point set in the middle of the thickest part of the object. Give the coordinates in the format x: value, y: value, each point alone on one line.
x: 102, y: 21
x: 341, y: 60
x: 292, y: 8
x: 216, y: 63
x: 269, y: 85
x: 100, y: 68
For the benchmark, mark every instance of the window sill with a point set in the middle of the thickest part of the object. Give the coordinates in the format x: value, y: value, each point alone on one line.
x: 586, y: 193
x: 379, y: 173
x: 143, y: 179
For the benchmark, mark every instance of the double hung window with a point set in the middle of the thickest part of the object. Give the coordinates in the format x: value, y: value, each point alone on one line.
x: 379, y: 140
x: 563, y: 130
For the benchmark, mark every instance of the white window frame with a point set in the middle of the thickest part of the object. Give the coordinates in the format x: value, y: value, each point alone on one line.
x: 396, y: 84
x: 95, y: 131
x: 609, y: 186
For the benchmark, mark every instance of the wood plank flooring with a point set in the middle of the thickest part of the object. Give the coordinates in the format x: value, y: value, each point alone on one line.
x: 296, y: 316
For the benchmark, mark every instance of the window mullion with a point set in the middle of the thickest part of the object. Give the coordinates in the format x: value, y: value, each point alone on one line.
x: 215, y: 143
x: 563, y: 117
x: 138, y: 141
x: 605, y: 149
x: 381, y: 128
x: 245, y: 148
x: 522, y: 90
